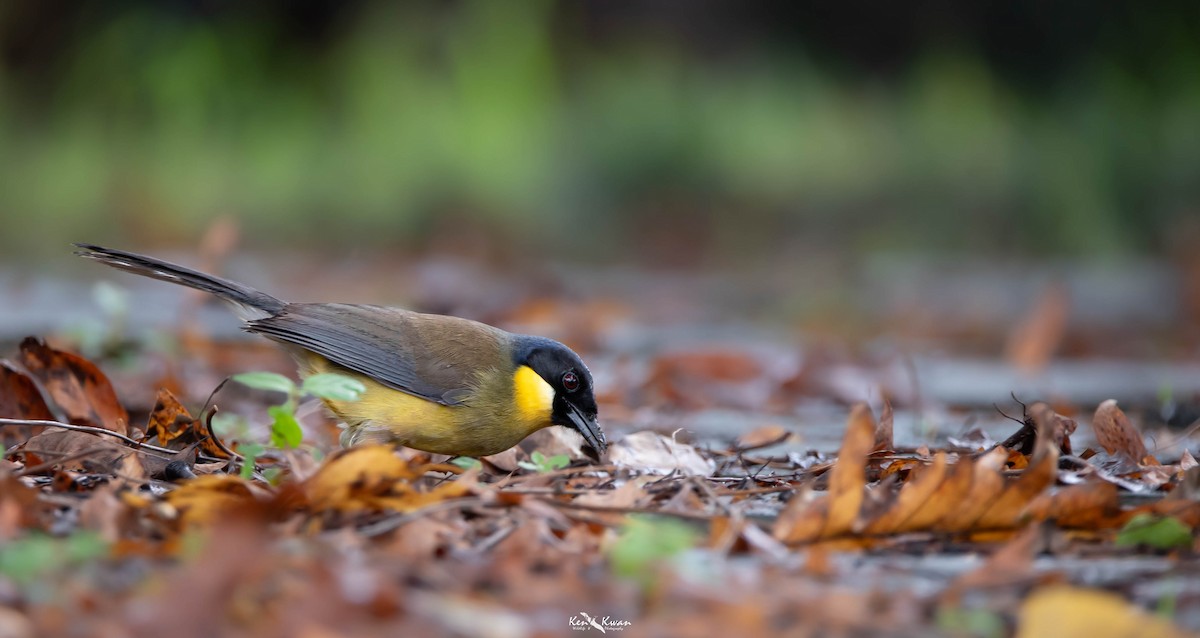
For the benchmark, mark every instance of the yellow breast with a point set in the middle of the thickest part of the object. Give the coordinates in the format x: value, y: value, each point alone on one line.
x: 501, y: 412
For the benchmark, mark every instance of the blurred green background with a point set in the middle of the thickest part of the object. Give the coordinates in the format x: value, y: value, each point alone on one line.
x: 599, y: 129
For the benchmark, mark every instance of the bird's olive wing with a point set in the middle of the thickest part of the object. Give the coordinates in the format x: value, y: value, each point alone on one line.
x: 430, y: 356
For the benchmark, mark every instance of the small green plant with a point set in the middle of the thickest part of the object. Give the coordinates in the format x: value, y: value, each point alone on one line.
x: 649, y: 540
x: 285, y: 429
x: 539, y: 462
x: 970, y: 622
x: 467, y: 463
x: 30, y: 561
x: 1163, y: 532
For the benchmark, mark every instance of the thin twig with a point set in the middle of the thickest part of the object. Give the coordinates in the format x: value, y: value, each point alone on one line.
x: 92, y: 430
x: 206, y: 417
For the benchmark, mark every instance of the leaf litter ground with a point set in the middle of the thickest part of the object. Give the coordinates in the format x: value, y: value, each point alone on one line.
x: 149, y: 520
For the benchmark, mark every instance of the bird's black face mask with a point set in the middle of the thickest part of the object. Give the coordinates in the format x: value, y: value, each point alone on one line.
x: 574, y: 401
x: 578, y: 412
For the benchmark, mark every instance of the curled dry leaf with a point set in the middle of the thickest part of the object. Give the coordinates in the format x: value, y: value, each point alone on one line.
x: 848, y: 478
x: 76, y: 385
x: 803, y: 519
x: 986, y: 484
x: 654, y: 453
x: 206, y: 499
x: 373, y: 478
x: 1116, y: 434
x: 169, y: 421
x: 1055, y: 426
x: 1091, y: 505
x: 914, y: 496
x: 20, y: 399
x: 884, y: 439
x: 1007, y: 510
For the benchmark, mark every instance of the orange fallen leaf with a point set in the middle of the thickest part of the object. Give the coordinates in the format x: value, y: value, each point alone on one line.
x: 913, y: 496
x: 373, y: 478
x: 169, y: 419
x: 76, y: 385
x: 207, y: 498
x: 806, y: 519
x: 986, y: 484
x: 1009, y: 507
x: 1092, y: 505
x: 1116, y: 434
x: 848, y: 478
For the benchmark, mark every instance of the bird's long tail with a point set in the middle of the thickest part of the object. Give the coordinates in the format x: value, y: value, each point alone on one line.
x: 253, y: 302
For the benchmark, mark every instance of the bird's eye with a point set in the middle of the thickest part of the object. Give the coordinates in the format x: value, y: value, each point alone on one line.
x: 570, y: 381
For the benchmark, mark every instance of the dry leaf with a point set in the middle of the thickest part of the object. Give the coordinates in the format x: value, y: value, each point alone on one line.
x: 884, y: 440
x: 169, y: 421
x: 1073, y: 612
x: 75, y: 451
x: 1116, y: 434
x: 1007, y: 510
x: 206, y: 499
x: 373, y: 478
x: 20, y: 399
x: 986, y: 484
x: 1091, y: 505
x: 914, y: 496
x: 804, y: 520
x: 848, y: 478
x: 76, y: 385
x: 653, y: 453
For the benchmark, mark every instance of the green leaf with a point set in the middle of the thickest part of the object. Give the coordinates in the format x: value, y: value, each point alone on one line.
x: 250, y: 452
x: 467, y: 463
x: 331, y: 385
x: 539, y: 463
x: 285, y: 429
x: 646, y: 540
x: 266, y: 381
x: 1152, y: 531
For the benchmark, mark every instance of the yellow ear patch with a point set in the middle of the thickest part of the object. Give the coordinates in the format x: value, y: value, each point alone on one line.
x: 533, y: 396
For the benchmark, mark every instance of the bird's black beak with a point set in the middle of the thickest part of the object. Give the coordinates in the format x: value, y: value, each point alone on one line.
x: 588, y: 427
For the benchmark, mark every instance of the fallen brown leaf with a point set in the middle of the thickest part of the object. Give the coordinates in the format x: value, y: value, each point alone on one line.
x: 986, y: 484
x: 884, y: 439
x: 1116, y: 434
x: 76, y: 385
x: 169, y: 420
x: 654, y: 453
x: 1009, y: 507
x: 371, y: 478
x: 20, y: 399
x: 914, y: 496
x: 75, y: 451
x: 807, y: 519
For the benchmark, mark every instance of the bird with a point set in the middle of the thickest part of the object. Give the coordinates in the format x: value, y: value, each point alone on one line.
x: 437, y: 383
